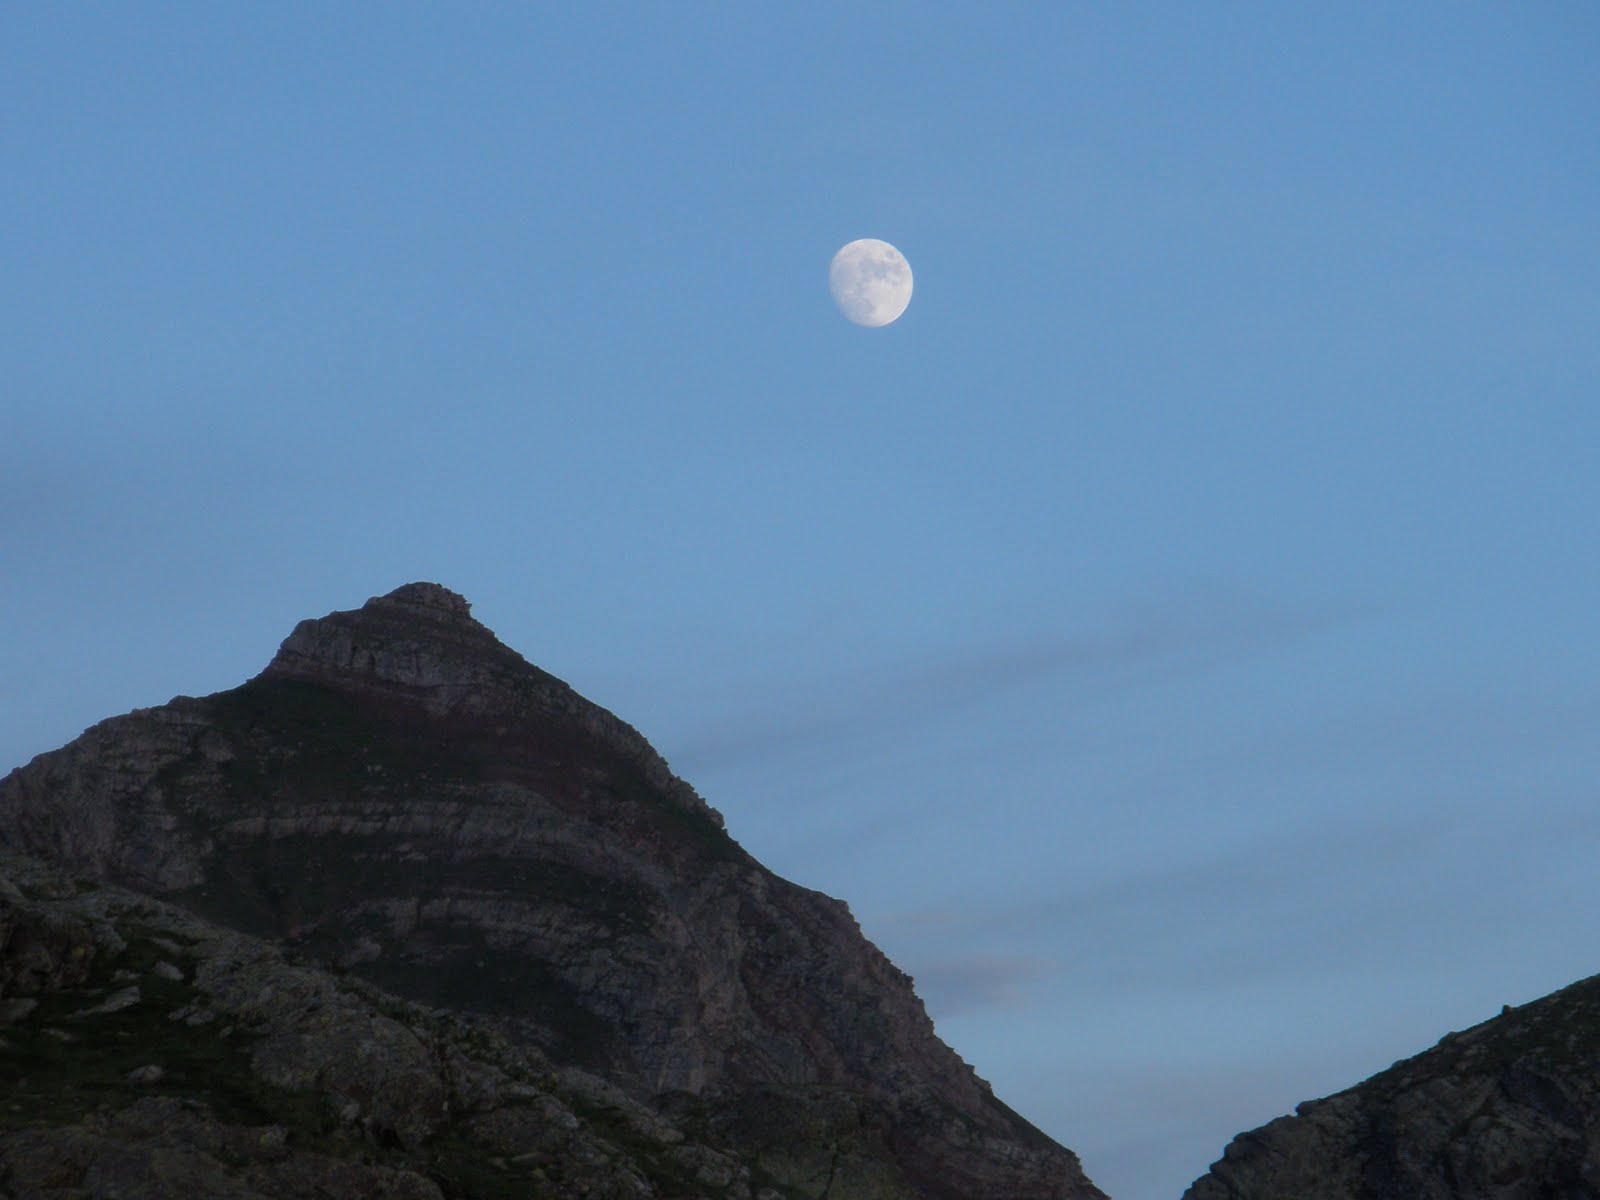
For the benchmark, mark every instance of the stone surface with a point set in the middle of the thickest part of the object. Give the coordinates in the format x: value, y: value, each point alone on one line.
x: 1506, y: 1110
x: 302, y: 1083
x: 400, y: 796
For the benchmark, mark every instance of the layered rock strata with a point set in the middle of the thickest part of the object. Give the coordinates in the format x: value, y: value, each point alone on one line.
x: 402, y: 797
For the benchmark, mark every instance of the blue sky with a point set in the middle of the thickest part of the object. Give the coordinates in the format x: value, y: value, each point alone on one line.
x: 1175, y: 636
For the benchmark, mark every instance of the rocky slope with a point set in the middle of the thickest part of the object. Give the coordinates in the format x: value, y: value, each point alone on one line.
x: 400, y: 796
x: 1506, y: 1110
x: 145, y: 1052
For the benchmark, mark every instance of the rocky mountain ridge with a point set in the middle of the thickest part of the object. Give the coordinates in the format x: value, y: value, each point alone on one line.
x: 401, y: 797
x: 1506, y: 1110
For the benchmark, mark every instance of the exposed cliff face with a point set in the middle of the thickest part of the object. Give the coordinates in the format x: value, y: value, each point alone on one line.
x: 1506, y: 1110
x: 401, y: 795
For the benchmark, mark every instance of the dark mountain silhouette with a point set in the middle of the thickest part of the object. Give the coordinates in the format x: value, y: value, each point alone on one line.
x: 1506, y: 1110
x: 402, y: 801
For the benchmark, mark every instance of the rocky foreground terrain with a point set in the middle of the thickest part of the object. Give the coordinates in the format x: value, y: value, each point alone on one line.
x: 1506, y: 1110
x: 145, y: 1052
x: 406, y: 916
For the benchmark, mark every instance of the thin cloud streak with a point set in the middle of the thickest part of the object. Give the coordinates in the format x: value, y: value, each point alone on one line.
x: 1288, y: 908
x: 956, y: 986
x: 1217, y: 921
x: 863, y: 709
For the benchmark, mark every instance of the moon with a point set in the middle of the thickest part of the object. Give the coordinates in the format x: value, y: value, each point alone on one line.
x: 871, y: 282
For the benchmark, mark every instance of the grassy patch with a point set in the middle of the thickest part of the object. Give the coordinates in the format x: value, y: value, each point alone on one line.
x: 48, y: 1079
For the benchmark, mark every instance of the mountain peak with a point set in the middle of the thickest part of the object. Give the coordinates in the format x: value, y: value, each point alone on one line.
x: 421, y: 637
x: 431, y: 597
x: 418, y: 652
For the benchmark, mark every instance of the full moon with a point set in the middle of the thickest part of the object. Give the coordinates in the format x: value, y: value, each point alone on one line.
x: 871, y: 282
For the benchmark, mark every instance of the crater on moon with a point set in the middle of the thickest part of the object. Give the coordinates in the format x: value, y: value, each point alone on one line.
x: 870, y: 281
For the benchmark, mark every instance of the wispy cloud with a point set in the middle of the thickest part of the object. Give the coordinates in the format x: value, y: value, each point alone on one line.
x: 1149, y: 641
x: 953, y: 986
x: 1294, y: 903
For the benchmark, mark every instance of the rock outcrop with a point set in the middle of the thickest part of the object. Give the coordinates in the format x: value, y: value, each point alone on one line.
x: 146, y: 1052
x: 1506, y: 1110
x: 401, y: 797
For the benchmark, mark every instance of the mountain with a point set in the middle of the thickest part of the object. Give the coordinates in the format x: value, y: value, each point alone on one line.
x: 402, y: 800
x: 1506, y: 1110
